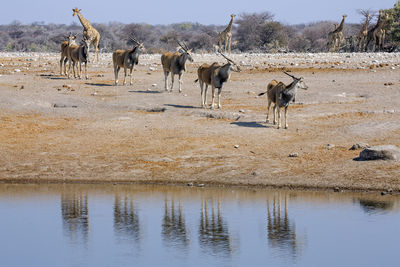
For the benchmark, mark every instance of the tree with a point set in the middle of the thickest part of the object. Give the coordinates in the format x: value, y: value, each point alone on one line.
x: 258, y: 32
x: 393, y: 24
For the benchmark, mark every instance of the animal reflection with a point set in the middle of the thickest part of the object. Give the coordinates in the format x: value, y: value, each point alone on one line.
x: 75, y: 215
x: 174, y: 227
x: 126, y: 218
x: 281, y: 233
x: 214, y: 233
x: 375, y: 206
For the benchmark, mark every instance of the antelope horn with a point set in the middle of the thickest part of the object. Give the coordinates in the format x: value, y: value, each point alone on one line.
x: 182, y: 46
x: 290, y: 75
x: 230, y: 60
x: 134, y: 39
x: 187, y: 48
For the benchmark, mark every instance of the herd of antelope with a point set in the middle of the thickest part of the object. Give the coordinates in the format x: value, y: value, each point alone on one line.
x: 214, y: 75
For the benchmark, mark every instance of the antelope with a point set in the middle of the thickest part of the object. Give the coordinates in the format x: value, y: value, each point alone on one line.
x: 64, y: 52
x: 127, y: 59
x: 215, y: 75
x: 176, y: 64
x: 78, y: 54
x: 282, y: 95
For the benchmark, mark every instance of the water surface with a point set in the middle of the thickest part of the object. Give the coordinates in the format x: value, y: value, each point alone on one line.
x: 93, y: 225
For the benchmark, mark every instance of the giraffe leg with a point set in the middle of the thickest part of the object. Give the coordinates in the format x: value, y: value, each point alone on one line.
x: 205, y: 95
x: 202, y: 93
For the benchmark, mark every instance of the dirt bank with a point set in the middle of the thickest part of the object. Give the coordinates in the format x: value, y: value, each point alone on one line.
x: 60, y: 130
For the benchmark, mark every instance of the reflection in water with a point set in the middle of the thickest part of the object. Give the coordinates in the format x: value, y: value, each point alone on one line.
x: 214, y: 232
x: 375, y: 206
x: 126, y: 218
x: 173, y: 227
x: 281, y: 233
x: 75, y: 214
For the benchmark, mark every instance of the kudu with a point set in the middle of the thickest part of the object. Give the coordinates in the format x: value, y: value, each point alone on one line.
x: 281, y: 95
x: 78, y: 55
x: 215, y: 75
x: 175, y: 63
x: 127, y: 59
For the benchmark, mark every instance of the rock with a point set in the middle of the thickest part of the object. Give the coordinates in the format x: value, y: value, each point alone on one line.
x: 236, y: 146
x: 190, y: 184
x: 17, y: 70
x: 293, y: 155
x: 336, y: 189
x: 359, y: 146
x: 329, y: 146
x: 200, y: 185
x: 385, y: 152
x: 154, y: 85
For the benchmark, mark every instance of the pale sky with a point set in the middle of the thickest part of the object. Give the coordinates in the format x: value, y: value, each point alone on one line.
x: 175, y: 11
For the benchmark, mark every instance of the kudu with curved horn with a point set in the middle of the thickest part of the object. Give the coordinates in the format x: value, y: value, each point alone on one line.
x: 281, y: 95
x: 127, y: 59
x: 215, y: 75
x: 175, y: 63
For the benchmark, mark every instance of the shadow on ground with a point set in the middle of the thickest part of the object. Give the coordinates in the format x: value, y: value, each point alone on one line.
x: 180, y: 106
x: 250, y: 124
x: 98, y: 84
x: 145, y: 92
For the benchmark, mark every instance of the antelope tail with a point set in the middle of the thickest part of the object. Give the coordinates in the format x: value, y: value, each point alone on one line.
x: 260, y: 94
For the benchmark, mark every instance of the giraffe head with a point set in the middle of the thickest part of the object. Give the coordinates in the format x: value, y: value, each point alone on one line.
x: 344, y: 16
x: 233, y: 16
x: 76, y: 11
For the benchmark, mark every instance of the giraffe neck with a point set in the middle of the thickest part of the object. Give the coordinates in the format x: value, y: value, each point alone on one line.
x: 381, y: 23
x: 85, y: 23
x: 340, y: 28
x: 365, y: 27
x: 229, y: 28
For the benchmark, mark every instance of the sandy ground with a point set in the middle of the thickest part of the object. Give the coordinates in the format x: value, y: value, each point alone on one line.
x: 54, y: 129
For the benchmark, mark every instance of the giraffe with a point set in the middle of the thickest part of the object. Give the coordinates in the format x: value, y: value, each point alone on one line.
x: 362, y: 35
x: 89, y: 32
x: 335, y: 37
x: 226, y: 36
x: 377, y: 33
